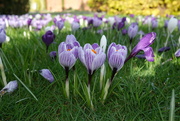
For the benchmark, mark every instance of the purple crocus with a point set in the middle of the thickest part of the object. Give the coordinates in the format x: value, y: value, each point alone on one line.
x: 116, y: 55
x: 53, y: 55
x: 124, y: 31
x: 144, y: 45
x: 60, y: 24
x: 75, y: 26
x: 92, y: 56
x: 132, y: 31
x: 177, y: 53
x: 164, y: 49
x: 46, y: 74
x: 2, y: 36
x: 154, y: 23
x: 48, y: 38
x: 10, y: 87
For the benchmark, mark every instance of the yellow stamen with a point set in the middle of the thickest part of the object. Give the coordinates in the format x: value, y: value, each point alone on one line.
x: 93, y: 51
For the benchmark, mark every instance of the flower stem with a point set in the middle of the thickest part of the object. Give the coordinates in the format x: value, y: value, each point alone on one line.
x: 165, y: 44
x: 75, y: 80
x: 113, y: 74
x: 67, y: 82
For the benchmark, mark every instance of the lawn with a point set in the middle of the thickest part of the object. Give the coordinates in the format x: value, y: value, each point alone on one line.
x: 141, y: 90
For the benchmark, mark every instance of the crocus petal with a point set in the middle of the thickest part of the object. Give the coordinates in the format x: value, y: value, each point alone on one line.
x: 177, y: 53
x: 149, y: 54
x: 67, y: 59
x: 81, y: 56
x: 89, y: 57
x: 95, y: 45
x: 10, y: 87
x: 116, y: 60
x: 47, y: 74
x: 164, y: 49
x: 98, y: 61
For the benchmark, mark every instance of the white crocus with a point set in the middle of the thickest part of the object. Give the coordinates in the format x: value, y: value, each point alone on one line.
x: 103, y: 44
x: 172, y: 24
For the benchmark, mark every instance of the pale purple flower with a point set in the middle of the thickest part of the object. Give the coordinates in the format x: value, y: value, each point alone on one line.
x: 75, y: 26
x: 166, y: 23
x: 60, y: 24
x: 97, y: 22
x: 47, y: 74
x: 154, y: 23
x: 53, y: 54
x: 179, y: 25
x: 116, y: 55
x: 144, y: 45
x: 177, y: 53
x: 67, y: 55
x: 132, y: 31
x: 164, y: 49
x: 10, y: 87
x: 92, y: 56
x: 124, y: 31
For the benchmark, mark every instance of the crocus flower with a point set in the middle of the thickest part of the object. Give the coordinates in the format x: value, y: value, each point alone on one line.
x: 53, y: 54
x: 124, y: 31
x: 103, y: 44
x: 75, y: 26
x: 47, y: 74
x: 10, y: 87
x: 97, y: 22
x: 2, y: 36
x: 144, y: 45
x: 177, y: 53
x: 48, y: 38
x: 116, y: 55
x: 60, y: 24
x: 164, y: 49
x: 154, y: 23
x: 132, y: 31
x: 92, y: 56
x: 68, y: 54
x: 166, y: 23
x: 172, y: 24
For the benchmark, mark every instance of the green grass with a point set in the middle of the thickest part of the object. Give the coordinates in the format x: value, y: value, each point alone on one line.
x: 140, y: 91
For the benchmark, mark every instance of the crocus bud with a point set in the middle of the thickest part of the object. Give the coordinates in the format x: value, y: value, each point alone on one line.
x: 172, y: 24
x: 10, y: 87
x: 47, y: 74
x: 48, y: 38
x: 177, y: 53
x: 103, y: 43
x: 124, y: 31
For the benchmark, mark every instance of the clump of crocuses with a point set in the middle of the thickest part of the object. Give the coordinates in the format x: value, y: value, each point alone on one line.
x: 48, y: 38
x: 68, y: 54
x: 93, y: 57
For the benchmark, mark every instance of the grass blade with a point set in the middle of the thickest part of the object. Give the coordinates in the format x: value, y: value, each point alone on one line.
x: 26, y: 87
x: 172, y: 107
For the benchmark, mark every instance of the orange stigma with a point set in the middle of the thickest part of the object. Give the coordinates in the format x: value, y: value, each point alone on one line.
x: 93, y: 51
x: 68, y: 49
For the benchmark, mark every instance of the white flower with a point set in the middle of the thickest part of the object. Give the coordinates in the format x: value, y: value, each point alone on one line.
x: 172, y: 24
x: 103, y: 43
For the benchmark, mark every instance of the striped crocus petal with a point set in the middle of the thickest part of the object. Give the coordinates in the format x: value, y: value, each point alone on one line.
x: 67, y: 59
x: 81, y: 56
x: 177, y: 53
x: 98, y: 61
x: 149, y: 54
x: 10, y: 87
x: 47, y: 74
x: 89, y: 57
